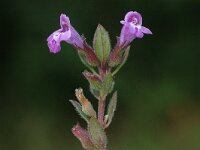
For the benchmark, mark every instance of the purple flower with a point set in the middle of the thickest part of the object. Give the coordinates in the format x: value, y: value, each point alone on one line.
x: 66, y: 33
x: 132, y: 28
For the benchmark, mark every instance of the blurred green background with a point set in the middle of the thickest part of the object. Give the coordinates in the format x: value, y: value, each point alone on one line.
x: 159, y: 93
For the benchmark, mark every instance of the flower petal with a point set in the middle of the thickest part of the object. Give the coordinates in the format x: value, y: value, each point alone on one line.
x: 75, y: 39
x: 64, y: 22
x: 127, y: 34
x: 138, y: 33
x: 131, y: 15
x: 54, y: 46
x: 145, y: 30
x: 54, y: 42
x: 64, y: 36
x: 122, y: 22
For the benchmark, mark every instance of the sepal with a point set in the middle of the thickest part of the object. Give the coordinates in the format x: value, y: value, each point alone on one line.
x: 116, y: 55
x: 83, y: 136
x: 125, y: 55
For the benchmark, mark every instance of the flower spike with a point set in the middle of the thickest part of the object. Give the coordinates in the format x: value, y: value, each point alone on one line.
x: 103, y: 63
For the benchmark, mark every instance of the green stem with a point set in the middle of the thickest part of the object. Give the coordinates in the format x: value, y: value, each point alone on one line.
x: 101, y: 105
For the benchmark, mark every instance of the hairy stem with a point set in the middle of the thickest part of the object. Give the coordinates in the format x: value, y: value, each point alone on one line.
x: 101, y: 105
x: 101, y: 109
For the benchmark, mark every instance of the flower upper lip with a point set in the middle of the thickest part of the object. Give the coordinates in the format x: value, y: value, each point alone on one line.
x: 64, y: 22
x: 133, y: 17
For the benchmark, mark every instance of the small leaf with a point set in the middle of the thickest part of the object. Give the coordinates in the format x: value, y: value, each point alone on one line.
x: 108, y: 85
x: 97, y: 134
x: 79, y: 110
x: 125, y: 56
x: 95, y: 91
x: 92, y: 78
x: 111, y: 109
x: 83, y: 58
x: 101, y: 44
x: 95, y: 83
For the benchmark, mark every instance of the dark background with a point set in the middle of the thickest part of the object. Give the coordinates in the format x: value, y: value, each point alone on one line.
x: 159, y: 94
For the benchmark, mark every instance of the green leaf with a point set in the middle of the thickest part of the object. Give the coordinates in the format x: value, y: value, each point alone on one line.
x: 101, y: 43
x: 79, y: 110
x: 111, y: 109
x: 125, y: 57
x: 93, y: 79
x: 97, y: 134
x: 83, y: 58
x: 108, y: 85
x: 95, y: 90
x: 95, y: 83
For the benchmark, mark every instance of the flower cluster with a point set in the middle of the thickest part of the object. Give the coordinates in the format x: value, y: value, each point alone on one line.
x: 132, y: 29
x: 103, y: 63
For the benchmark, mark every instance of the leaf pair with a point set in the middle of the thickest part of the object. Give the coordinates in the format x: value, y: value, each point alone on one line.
x: 99, y: 88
